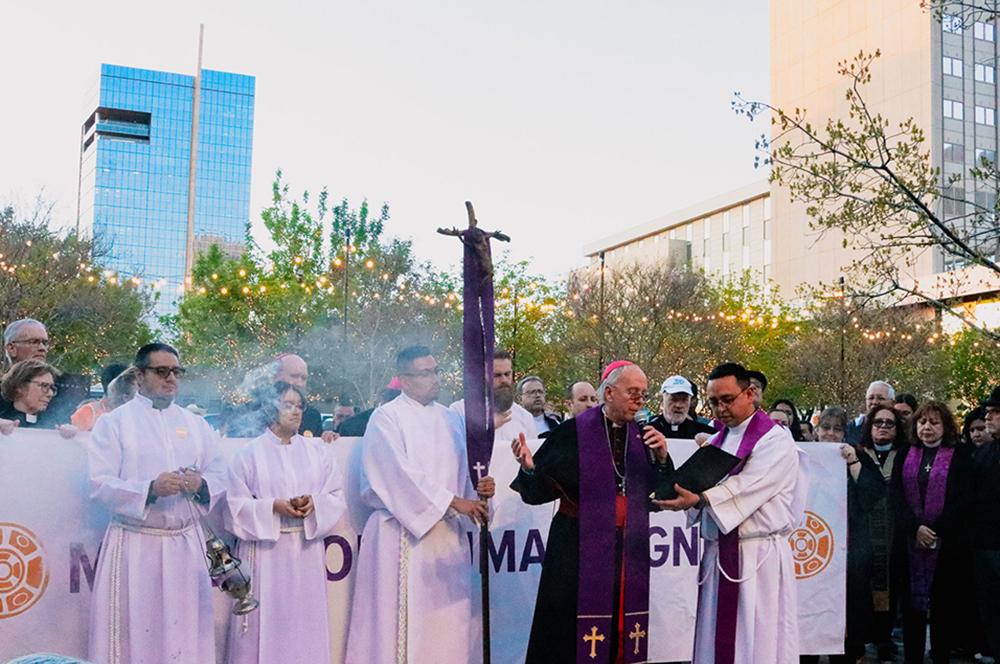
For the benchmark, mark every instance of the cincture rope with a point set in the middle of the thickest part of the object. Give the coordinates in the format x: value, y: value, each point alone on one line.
x: 401, y: 618
x: 718, y: 561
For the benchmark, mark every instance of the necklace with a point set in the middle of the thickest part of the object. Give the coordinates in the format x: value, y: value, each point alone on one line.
x: 611, y: 449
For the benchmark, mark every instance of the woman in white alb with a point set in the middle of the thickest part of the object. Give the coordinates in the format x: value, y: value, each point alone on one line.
x: 284, y: 497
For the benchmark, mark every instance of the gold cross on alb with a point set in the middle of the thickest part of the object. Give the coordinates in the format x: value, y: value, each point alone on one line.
x: 637, y: 635
x: 594, y: 637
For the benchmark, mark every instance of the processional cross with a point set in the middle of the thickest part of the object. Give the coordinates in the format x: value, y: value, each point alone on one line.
x: 479, y: 344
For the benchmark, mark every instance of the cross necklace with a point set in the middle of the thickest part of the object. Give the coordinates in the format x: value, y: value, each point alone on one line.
x: 611, y: 448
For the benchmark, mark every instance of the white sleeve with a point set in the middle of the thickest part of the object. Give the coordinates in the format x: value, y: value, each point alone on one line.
x: 249, y: 518
x: 104, y: 458
x: 773, y: 467
x: 329, y: 503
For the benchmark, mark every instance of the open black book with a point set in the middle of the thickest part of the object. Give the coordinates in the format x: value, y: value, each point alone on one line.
x: 703, y: 470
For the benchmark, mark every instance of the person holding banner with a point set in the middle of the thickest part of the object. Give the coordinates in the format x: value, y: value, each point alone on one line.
x: 283, y: 498
x: 413, y: 593
x: 930, y: 496
x: 601, y: 467
x: 747, y: 606
x: 156, y: 467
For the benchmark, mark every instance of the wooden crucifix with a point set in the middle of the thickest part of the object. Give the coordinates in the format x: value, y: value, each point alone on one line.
x: 479, y: 342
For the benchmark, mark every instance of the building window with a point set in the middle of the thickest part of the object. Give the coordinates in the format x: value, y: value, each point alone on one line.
x: 985, y: 74
x: 952, y: 24
x: 641, y: 242
x: 725, y: 221
x: 983, y: 31
x: 767, y: 229
x: 746, y: 236
x: 708, y: 227
x: 954, y: 109
x: 673, y: 234
x: 954, y: 153
x: 952, y: 66
x: 689, y: 232
x: 953, y: 202
x: 986, y: 116
x: 704, y: 248
x: 988, y: 155
x: 626, y: 248
x: 746, y: 215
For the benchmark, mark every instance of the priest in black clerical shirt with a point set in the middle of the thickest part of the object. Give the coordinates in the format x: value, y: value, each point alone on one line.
x: 601, y: 467
x: 675, y: 421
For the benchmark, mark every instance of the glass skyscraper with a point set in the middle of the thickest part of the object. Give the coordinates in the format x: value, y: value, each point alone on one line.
x: 136, y: 171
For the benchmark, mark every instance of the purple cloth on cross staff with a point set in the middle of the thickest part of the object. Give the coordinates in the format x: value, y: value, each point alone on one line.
x: 927, y: 511
x: 598, y: 499
x: 479, y: 345
x: 727, y: 608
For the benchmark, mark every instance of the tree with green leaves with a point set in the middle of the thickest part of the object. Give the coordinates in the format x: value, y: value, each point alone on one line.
x: 871, y: 179
x: 94, y: 317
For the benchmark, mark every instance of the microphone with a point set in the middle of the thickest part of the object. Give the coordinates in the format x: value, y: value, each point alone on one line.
x: 643, y: 418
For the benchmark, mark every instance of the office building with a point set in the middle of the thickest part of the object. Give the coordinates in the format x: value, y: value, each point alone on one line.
x: 148, y: 193
x: 941, y: 73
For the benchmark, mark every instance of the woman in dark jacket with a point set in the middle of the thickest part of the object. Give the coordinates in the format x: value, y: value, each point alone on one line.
x: 883, y: 434
x: 929, y: 496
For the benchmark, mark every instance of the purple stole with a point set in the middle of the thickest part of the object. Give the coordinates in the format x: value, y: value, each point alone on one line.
x: 597, y: 519
x: 727, y: 608
x: 923, y: 561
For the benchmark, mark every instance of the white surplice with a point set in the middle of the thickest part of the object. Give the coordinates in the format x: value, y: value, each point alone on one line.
x: 287, y: 555
x: 412, y: 594
x: 152, y: 598
x: 765, y: 502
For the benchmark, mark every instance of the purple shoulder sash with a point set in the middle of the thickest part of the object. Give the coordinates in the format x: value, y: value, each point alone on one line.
x: 597, y: 509
x: 923, y: 562
x: 729, y: 548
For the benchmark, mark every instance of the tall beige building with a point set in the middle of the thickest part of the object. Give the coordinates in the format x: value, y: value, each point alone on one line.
x: 943, y: 74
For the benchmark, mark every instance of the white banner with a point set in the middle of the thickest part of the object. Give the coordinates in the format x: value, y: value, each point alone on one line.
x: 50, y: 534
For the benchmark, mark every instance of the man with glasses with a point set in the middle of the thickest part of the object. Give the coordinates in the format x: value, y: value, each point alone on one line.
x: 675, y: 420
x: 531, y: 395
x: 747, y: 608
x: 155, y: 466
x: 601, y: 467
x: 413, y: 591
x: 879, y: 393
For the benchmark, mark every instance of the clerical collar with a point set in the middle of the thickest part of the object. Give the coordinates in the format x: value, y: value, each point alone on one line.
x: 272, y: 437
x: 31, y: 418
x: 613, y: 424
x: 883, y: 448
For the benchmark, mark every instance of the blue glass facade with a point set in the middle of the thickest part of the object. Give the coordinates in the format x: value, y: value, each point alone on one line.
x: 135, y: 164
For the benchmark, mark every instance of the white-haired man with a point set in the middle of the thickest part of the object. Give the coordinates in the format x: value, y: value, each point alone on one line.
x: 601, y: 467
x: 879, y: 393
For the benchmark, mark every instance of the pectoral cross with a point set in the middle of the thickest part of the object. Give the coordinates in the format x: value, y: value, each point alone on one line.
x: 927, y: 468
x: 637, y: 635
x: 593, y: 638
x: 479, y: 468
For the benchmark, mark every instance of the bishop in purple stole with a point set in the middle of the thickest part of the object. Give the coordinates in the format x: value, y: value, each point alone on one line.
x: 593, y: 597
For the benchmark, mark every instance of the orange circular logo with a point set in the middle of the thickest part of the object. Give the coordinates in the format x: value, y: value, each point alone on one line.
x: 812, y: 546
x: 23, y: 575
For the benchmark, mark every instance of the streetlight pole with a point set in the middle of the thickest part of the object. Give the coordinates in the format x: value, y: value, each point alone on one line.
x: 600, y: 322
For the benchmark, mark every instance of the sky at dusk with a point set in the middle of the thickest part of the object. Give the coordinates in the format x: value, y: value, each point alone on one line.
x: 562, y: 122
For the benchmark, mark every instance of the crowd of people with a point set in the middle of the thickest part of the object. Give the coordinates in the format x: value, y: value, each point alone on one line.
x: 923, y: 503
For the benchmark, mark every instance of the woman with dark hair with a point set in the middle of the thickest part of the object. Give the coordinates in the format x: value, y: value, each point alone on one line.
x: 284, y: 497
x: 906, y: 404
x: 27, y: 388
x: 929, y: 496
x: 883, y: 433
x: 974, y: 432
x: 787, y: 407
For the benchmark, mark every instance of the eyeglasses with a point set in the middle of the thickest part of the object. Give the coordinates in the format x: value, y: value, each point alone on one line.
x: 884, y: 424
x: 635, y: 394
x: 163, y: 372
x: 426, y: 373
x: 289, y: 405
x: 727, y: 400
x: 534, y: 393
x: 47, y: 387
x: 32, y: 342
